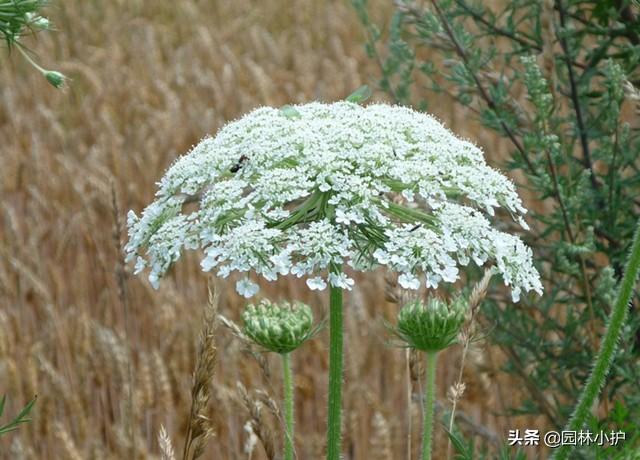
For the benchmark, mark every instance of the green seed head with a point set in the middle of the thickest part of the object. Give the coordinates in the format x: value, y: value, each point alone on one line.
x: 280, y: 327
x: 432, y: 326
x: 55, y: 78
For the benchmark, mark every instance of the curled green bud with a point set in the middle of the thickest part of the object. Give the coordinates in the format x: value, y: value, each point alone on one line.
x: 432, y: 326
x: 38, y: 22
x: 280, y: 327
x: 55, y: 78
x: 290, y: 112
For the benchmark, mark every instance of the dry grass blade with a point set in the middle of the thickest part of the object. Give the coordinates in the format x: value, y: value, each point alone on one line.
x: 121, y: 281
x: 479, y: 291
x: 166, y: 447
x: 269, y: 403
x: 234, y: 329
x: 633, y: 94
x: 467, y: 334
x: 247, y: 345
x: 69, y: 450
x: 381, y: 439
x: 200, y: 427
x: 257, y: 423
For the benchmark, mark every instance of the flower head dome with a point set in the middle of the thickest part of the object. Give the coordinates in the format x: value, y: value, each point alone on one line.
x: 302, y: 189
x: 431, y: 326
x: 279, y: 327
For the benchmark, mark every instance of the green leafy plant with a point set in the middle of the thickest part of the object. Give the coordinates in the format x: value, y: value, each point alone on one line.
x: 22, y: 17
x: 467, y: 450
x: 608, y: 346
x: 558, y: 81
x: 19, y: 419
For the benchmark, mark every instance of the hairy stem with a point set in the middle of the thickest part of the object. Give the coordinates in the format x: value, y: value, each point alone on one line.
x: 608, y: 345
x: 335, y: 372
x: 288, y: 406
x: 429, y: 405
x: 409, y: 404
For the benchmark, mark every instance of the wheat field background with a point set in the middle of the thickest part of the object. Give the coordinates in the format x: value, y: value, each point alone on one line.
x: 149, y: 79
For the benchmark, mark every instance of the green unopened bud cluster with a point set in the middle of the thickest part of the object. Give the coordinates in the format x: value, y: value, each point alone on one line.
x: 278, y: 327
x: 433, y: 326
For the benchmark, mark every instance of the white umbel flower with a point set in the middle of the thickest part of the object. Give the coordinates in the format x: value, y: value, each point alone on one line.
x: 308, y: 188
x: 247, y: 288
x: 316, y: 283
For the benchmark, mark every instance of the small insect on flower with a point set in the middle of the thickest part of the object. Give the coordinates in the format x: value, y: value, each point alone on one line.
x: 236, y: 167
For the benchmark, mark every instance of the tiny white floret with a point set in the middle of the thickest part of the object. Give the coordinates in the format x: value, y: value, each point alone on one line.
x: 247, y: 288
x: 316, y: 284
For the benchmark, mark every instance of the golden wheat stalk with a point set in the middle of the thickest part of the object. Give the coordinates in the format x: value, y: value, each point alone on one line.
x: 467, y: 333
x: 200, y: 428
x: 121, y: 281
x: 257, y: 423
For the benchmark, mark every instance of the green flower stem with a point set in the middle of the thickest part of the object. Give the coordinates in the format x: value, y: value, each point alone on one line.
x: 335, y: 372
x: 302, y: 211
x: 429, y: 404
x: 608, y: 345
x: 288, y: 406
x: 29, y: 60
x: 53, y: 77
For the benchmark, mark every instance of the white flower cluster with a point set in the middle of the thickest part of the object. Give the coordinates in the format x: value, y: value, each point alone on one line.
x: 306, y: 189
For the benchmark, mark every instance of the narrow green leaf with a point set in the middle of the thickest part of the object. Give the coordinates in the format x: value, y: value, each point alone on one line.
x: 19, y: 419
x: 360, y: 95
x: 465, y: 452
x: 25, y: 411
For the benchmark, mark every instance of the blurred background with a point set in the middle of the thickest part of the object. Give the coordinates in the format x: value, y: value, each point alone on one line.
x: 149, y: 79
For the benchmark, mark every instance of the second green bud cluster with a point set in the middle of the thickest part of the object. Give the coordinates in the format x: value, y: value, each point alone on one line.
x: 431, y: 326
x: 280, y: 327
